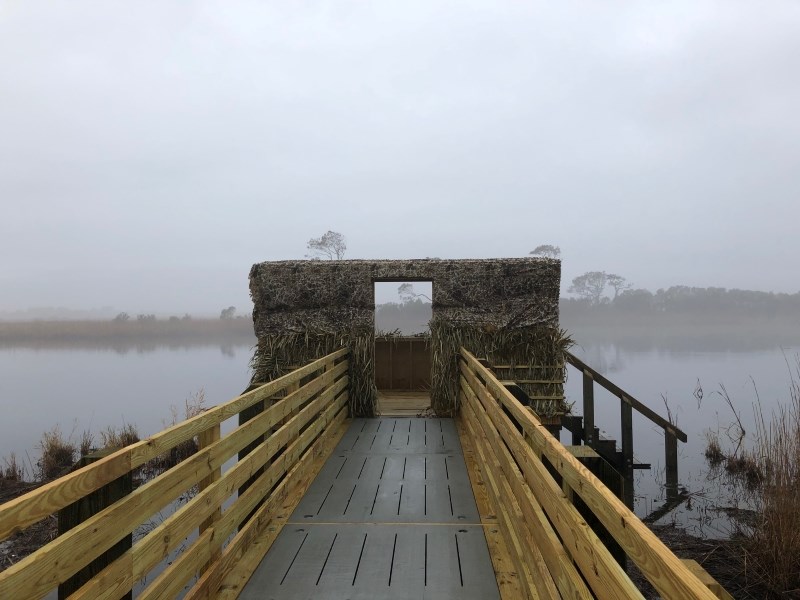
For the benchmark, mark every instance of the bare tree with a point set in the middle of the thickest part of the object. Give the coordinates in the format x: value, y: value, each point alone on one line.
x: 546, y: 251
x: 331, y: 245
x: 618, y: 283
x: 589, y: 286
x: 407, y: 293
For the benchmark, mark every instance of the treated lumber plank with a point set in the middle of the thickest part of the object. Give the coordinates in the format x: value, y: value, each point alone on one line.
x: 660, y: 566
x: 530, y: 565
x: 486, y: 509
x: 174, y: 578
x: 76, y: 513
x: 208, y: 586
x: 204, y: 440
x: 704, y: 576
x: 508, y: 581
x: 36, y: 574
x: 152, y: 548
x: 243, y: 568
x: 625, y: 397
x: 32, y: 507
x: 545, y: 541
x: 603, y: 574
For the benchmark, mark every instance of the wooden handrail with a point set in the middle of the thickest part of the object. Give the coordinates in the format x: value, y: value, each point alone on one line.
x: 626, y: 397
x: 296, y: 423
x: 489, y: 405
x: 26, y: 510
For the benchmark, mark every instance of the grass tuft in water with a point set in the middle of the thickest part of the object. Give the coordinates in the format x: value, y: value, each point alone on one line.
x: 768, y: 476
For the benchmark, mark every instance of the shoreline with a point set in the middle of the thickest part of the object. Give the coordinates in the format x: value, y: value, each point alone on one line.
x: 126, y: 335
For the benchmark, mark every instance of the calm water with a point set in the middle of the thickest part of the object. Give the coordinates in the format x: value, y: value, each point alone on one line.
x: 691, y: 383
x: 80, y: 389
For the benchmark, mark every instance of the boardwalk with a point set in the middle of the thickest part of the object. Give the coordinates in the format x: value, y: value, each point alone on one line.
x: 301, y: 501
x: 390, y: 515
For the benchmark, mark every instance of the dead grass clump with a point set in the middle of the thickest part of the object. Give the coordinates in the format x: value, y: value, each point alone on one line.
x: 87, y: 442
x: 58, y: 454
x: 119, y: 437
x: 279, y: 353
x: 745, y: 468
x: 714, y: 454
x: 12, y: 472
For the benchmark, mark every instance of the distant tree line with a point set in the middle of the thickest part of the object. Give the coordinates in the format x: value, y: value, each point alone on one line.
x: 409, y: 317
x: 682, y: 299
x: 226, y: 314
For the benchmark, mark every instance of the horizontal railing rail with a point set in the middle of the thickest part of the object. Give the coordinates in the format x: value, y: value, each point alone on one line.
x: 300, y: 408
x: 627, y: 398
x: 627, y: 404
x: 533, y: 479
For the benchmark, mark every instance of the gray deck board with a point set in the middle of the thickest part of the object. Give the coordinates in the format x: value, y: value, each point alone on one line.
x: 390, y: 515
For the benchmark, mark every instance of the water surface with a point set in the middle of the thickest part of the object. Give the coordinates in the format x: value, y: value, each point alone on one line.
x: 90, y: 389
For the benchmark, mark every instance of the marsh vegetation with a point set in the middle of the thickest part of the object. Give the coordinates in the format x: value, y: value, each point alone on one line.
x: 762, y: 467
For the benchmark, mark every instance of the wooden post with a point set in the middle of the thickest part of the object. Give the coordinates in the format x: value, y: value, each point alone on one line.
x: 410, y: 365
x: 244, y: 416
x: 626, y: 412
x: 588, y: 409
x: 391, y: 363
x: 671, y: 459
x: 205, y: 439
x: 291, y: 389
x: 78, y: 512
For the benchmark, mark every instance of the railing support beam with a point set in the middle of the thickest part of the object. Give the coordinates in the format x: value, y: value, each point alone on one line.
x: 204, y: 440
x: 588, y: 409
x: 671, y: 461
x: 78, y: 512
x: 626, y: 422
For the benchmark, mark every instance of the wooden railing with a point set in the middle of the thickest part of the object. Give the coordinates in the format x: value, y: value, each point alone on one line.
x: 218, y: 526
x: 627, y: 404
x: 533, y: 482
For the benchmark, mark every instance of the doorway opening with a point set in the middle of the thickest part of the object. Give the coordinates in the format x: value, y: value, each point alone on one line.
x: 403, y: 310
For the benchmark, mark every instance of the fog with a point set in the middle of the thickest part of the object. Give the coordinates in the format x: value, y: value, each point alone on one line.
x: 150, y: 153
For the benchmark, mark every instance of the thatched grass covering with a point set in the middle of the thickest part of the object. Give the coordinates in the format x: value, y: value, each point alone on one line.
x: 279, y: 353
x: 503, y: 308
x: 537, y: 349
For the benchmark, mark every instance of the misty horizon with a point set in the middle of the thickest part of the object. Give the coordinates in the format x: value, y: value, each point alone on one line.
x: 385, y: 294
x: 151, y: 154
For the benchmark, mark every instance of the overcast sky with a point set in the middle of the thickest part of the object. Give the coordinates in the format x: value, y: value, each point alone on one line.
x: 150, y: 152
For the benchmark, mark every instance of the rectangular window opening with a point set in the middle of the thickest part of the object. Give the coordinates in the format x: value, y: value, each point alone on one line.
x: 403, y: 310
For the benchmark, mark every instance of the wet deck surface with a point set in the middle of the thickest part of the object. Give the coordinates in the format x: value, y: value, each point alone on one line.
x: 390, y: 515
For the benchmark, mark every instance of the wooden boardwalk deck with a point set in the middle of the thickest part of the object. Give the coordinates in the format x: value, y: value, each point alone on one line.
x: 390, y: 515
x: 330, y: 508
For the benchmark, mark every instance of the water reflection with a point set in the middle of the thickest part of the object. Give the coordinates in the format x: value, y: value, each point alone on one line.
x: 680, y: 338
x: 91, y: 387
x: 123, y: 346
x: 707, y: 381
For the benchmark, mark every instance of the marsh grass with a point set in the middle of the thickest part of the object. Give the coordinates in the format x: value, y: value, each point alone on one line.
x: 13, y: 471
x: 713, y: 452
x: 58, y: 454
x: 767, y: 474
x: 120, y: 437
